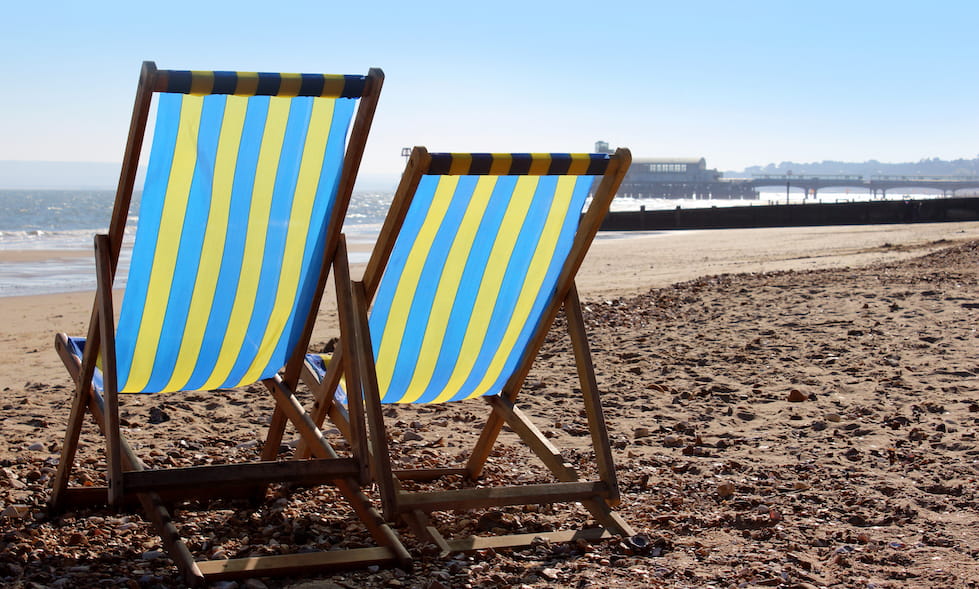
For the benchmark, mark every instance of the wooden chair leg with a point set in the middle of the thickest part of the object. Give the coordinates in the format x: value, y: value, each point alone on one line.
x: 484, y: 445
x: 273, y: 439
x: 69, y: 448
x: 348, y: 487
x: 592, y: 399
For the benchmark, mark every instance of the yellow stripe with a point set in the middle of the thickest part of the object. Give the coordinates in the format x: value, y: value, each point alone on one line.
x: 201, y: 83
x: 448, y: 288
x: 254, y: 251
x: 540, y: 164
x: 387, y: 355
x: 289, y: 84
x: 535, y: 277
x: 461, y: 162
x: 247, y: 83
x: 300, y: 223
x: 579, y: 165
x: 168, y: 242
x: 489, y: 287
x: 333, y: 85
x: 213, y: 245
x: 501, y: 164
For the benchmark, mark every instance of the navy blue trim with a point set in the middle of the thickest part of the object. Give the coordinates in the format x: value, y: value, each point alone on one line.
x: 598, y: 164
x: 178, y: 81
x: 481, y: 163
x: 225, y: 83
x: 520, y: 165
x: 312, y: 85
x: 560, y: 164
x: 354, y: 86
x: 268, y: 84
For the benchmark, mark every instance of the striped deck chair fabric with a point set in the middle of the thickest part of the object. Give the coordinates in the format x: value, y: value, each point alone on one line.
x: 241, y: 184
x: 474, y: 267
x: 239, y: 222
x: 475, y: 260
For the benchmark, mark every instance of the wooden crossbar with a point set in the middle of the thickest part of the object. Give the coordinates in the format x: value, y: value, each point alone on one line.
x: 193, y: 478
x: 428, y: 474
x: 294, y: 564
x: 500, y: 496
x: 474, y: 543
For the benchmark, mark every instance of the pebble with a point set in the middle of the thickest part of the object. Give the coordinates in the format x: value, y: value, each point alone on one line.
x: 797, y: 396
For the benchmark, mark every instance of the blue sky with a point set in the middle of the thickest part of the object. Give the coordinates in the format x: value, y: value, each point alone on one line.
x: 740, y: 83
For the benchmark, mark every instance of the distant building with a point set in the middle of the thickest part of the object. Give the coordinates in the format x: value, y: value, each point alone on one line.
x: 675, y: 178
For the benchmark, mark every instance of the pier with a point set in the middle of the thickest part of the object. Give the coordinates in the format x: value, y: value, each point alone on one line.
x: 877, y: 186
x: 932, y: 210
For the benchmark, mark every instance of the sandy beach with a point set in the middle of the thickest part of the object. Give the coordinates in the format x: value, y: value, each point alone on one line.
x: 791, y: 407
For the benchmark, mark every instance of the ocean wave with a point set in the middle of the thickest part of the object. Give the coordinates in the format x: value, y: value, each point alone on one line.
x: 39, y: 239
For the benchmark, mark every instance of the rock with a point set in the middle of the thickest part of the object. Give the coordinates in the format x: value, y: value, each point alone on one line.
x: 157, y: 415
x: 725, y: 490
x: 797, y: 396
x: 411, y: 437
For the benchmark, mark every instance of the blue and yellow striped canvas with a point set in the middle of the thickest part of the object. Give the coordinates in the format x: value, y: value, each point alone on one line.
x: 473, y: 269
x: 240, y: 188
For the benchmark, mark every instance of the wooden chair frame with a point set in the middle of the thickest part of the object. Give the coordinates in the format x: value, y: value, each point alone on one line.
x: 413, y: 507
x: 130, y: 481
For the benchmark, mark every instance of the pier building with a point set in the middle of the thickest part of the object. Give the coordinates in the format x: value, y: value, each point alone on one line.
x: 677, y: 178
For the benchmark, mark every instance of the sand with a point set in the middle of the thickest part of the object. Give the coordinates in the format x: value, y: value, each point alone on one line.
x: 789, y: 407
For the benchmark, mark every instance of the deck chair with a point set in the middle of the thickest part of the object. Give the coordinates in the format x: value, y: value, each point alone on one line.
x: 476, y: 258
x: 247, y: 185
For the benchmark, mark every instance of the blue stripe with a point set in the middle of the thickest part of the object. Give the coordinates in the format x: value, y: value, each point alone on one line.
x: 472, y: 276
x: 545, y: 296
x: 144, y: 249
x: 323, y: 211
x: 421, y: 306
x: 76, y: 345
x: 232, y: 257
x: 513, y: 281
x: 399, y: 256
x: 283, y: 195
x: 190, y: 251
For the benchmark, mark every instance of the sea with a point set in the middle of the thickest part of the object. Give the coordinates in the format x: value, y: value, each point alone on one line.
x: 65, y: 221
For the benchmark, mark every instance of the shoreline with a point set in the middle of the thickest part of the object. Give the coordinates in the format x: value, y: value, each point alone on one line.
x: 675, y: 255
x: 614, y: 268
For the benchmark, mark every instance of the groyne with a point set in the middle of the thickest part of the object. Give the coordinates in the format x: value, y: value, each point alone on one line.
x: 798, y: 215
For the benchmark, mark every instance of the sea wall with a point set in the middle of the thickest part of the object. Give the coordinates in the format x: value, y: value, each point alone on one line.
x: 798, y: 215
